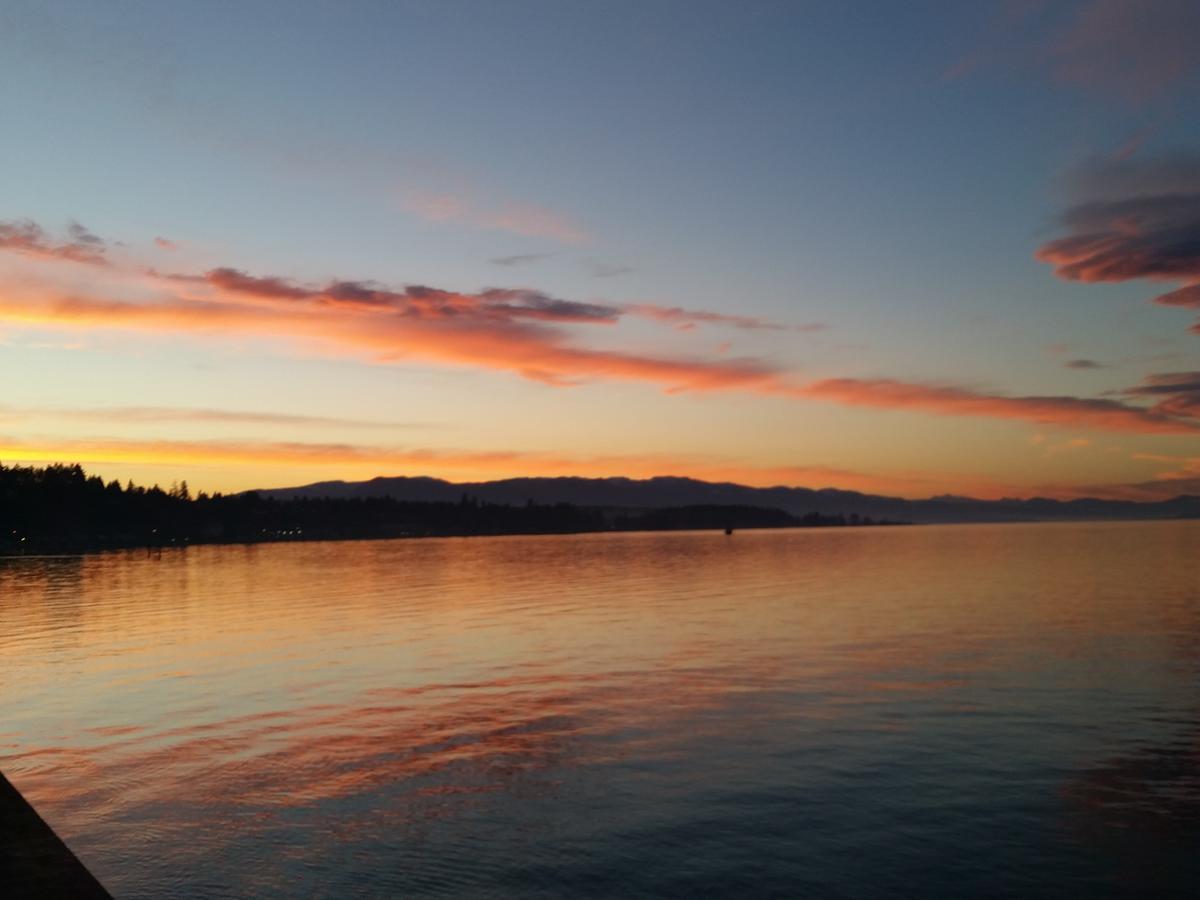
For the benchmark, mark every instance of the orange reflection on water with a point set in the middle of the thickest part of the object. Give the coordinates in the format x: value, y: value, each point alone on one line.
x: 220, y: 695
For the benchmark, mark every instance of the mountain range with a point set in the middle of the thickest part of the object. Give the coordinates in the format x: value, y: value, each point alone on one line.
x: 664, y: 492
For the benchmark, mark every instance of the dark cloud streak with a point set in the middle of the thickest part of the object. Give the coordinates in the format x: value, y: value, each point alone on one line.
x: 519, y: 259
x: 1133, y: 221
x: 1177, y: 393
x: 30, y: 239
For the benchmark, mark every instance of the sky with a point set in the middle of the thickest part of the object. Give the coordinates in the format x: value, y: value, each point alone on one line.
x: 914, y: 249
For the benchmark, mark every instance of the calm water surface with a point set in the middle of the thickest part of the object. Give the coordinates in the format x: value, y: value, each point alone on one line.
x: 927, y: 712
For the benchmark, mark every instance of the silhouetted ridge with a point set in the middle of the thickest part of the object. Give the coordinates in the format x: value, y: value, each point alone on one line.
x: 661, y: 492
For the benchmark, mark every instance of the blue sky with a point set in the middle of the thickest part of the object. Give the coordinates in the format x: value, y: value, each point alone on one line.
x: 885, y: 170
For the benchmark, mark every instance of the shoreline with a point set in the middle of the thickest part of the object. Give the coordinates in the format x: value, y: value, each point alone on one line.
x: 73, y: 552
x: 81, y: 550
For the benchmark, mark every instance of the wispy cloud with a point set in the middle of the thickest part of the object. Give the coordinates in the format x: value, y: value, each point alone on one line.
x: 1083, y: 364
x: 519, y: 259
x: 529, y: 349
x: 1057, y: 448
x: 521, y: 331
x: 601, y: 268
x: 1187, y: 297
x: 686, y: 319
x: 511, y: 216
x: 1175, y: 476
x: 1136, y: 220
x: 412, y: 301
x: 30, y: 239
x: 1135, y: 51
x: 267, y: 287
x: 1132, y: 144
x: 1174, y: 393
x: 1063, y: 411
x: 158, y: 415
x: 539, y: 355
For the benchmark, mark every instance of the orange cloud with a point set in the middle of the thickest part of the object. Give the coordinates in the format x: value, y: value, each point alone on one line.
x: 1103, y: 414
x: 512, y: 330
x: 530, y: 350
x: 541, y: 354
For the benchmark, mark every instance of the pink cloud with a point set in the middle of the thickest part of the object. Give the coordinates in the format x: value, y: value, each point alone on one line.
x: 687, y: 319
x: 1187, y: 297
x: 524, y: 219
x: 520, y: 331
x: 30, y: 239
x: 1137, y: 51
x: 1134, y: 50
x: 1136, y: 221
x: 1102, y: 414
x: 528, y: 349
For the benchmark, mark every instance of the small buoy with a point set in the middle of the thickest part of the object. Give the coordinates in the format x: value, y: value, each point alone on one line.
x: 729, y: 531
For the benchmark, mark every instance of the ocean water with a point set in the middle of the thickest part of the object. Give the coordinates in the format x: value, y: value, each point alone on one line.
x: 957, y: 711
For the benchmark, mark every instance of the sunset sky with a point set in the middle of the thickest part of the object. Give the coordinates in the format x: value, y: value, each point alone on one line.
x: 910, y: 248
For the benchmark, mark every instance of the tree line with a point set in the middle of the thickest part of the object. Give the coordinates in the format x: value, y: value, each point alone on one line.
x: 60, y: 508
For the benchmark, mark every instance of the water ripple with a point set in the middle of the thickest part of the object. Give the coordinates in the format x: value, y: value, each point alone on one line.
x: 942, y: 711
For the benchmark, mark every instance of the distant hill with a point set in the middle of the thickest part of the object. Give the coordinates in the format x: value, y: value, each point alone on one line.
x: 664, y: 492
